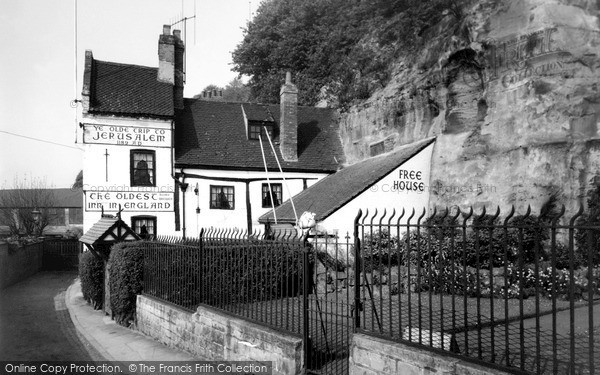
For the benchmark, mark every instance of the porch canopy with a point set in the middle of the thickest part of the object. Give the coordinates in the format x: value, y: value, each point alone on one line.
x: 106, y: 232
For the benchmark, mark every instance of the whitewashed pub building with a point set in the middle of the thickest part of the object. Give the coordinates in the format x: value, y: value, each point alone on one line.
x: 175, y: 165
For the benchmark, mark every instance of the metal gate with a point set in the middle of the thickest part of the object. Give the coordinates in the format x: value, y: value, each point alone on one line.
x: 61, y: 254
x: 327, y: 301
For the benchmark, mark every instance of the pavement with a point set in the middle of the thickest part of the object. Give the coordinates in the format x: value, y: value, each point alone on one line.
x: 111, y: 341
x: 45, y: 318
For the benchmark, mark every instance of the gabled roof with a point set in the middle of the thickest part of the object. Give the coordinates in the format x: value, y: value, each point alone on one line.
x: 60, y: 198
x: 108, y: 229
x: 212, y: 134
x: 128, y: 90
x: 334, y: 191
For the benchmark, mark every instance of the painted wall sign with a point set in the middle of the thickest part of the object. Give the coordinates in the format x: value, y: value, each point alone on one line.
x: 131, y: 201
x: 126, y: 135
x: 409, y: 180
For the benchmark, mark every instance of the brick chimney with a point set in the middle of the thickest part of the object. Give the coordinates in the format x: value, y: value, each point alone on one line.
x: 170, y: 62
x: 288, y: 122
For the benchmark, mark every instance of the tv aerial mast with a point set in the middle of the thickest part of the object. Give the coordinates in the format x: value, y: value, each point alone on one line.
x: 184, y: 21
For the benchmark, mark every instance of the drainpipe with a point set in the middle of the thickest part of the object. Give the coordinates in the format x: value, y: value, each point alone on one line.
x: 183, y: 186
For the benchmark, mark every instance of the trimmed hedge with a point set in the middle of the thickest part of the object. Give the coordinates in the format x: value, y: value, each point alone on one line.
x: 126, y: 270
x: 91, y: 274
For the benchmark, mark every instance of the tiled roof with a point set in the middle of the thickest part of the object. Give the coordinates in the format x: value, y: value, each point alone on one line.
x: 98, y: 230
x: 59, y: 197
x: 129, y: 90
x: 334, y: 191
x: 213, y: 135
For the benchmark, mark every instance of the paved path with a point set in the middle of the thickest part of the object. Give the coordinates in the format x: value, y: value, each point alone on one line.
x: 45, y: 318
x: 35, y: 324
x: 112, y: 341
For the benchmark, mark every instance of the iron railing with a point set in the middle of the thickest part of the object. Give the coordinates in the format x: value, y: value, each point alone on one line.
x: 299, y: 285
x: 518, y: 292
x: 251, y: 276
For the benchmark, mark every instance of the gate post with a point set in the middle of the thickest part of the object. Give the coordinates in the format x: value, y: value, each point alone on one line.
x: 357, y: 272
x: 305, y: 307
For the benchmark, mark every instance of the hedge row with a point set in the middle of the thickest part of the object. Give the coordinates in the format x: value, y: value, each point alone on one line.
x: 126, y: 270
x: 91, y: 274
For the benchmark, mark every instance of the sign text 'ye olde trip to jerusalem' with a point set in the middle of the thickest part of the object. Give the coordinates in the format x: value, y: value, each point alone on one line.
x: 126, y: 135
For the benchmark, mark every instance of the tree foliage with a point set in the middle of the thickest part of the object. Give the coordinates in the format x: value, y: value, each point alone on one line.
x: 339, y: 50
x: 234, y: 91
x: 78, y: 183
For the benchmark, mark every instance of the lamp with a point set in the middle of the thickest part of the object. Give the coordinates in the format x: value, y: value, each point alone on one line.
x: 183, y: 185
x: 196, y: 191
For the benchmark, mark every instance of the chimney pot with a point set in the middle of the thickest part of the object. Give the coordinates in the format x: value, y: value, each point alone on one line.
x: 166, y: 29
x: 288, y: 78
x: 177, y: 33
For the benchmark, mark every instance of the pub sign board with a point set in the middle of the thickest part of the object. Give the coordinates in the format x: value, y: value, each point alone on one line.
x: 126, y: 135
x: 133, y: 201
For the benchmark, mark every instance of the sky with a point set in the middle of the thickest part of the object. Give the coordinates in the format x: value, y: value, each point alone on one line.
x: 40, y: 77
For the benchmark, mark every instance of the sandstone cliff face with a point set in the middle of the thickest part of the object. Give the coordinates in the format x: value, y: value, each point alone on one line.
x: 511, y: 91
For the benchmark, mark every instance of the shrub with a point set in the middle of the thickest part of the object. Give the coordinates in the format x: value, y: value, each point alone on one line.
x: 381, y: 250
x: 252, y: 272
x: 91, y: 274
x: 126, y: 268
x: 584, y: 236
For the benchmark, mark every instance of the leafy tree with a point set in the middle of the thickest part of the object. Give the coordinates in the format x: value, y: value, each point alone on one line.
x: 236, y: 91
x: 78, y: 184
x: 338, y: 50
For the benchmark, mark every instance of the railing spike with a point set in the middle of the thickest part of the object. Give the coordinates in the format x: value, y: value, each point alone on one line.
x: 391, y: 217
x: 401, y: 216
x: 364, y: 218
x: 446, y: 212
x: 528, y: 212
x: 510, y: 215
x: 577, y: 214
x: 453, y: 219
x: 422, y: 216
x: 434, y: 214
x: 560, y: 214
x: 382, y: 216
x: 411, y: 216
x: 495, y: 216
x: 373, y: 217
x: 483, y: 212
x: 465, y: 218
x: 358, y: 215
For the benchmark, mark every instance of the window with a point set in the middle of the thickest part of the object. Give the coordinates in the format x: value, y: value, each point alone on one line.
x: 144, y: 226
x: 143, y: 168
x: 266, y: 197
x: 255, y: 128
x: 222, y: 197
x: 56, y: 216
x: 75, y: 215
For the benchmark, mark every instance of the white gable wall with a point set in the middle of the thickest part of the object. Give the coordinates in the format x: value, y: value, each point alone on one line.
x: 99, y: 136
x: 389, y: 193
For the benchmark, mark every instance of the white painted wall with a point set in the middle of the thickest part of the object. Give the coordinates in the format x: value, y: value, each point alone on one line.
x: 117, y: 188
x: 236, y: 218
x: 383, y: 195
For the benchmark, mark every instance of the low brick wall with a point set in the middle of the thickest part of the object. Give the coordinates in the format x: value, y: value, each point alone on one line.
x: 213, y: 335
x: 375, y: 356
x: 19, y: 263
